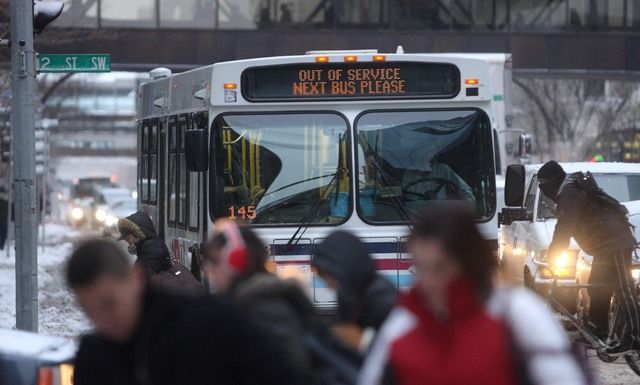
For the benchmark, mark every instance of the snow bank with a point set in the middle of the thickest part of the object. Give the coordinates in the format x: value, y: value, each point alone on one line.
x: 58, y: 313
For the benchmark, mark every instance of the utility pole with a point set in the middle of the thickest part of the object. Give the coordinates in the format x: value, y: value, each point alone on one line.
x: 23, y: 73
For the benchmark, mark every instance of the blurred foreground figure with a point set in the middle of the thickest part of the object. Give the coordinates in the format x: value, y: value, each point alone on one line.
x: 455, y: 328
x: 153, y: 255
x: 365, y: 298
x: 236, y: 264
x: 144, y: 337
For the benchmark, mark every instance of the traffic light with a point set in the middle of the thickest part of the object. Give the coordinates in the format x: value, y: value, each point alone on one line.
x: 44, y: 12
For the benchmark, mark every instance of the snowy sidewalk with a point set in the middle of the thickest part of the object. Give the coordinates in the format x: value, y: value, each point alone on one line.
x: 58, y: 313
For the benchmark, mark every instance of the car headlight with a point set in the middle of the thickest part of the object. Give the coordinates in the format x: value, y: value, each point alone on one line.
x: 110, y: 220
x: 101, y: 215
x: 635, y: 273
x: 77, y: 213
x: 562, y: 261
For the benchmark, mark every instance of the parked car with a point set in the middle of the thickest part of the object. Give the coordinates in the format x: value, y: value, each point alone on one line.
x: 29, y: 358
x: 528, y: 223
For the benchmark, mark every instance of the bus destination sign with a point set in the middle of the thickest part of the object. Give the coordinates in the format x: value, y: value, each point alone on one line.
x: 351, y: 81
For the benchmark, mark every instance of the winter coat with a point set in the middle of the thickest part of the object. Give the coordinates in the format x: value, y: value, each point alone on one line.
x: 365, y: 297
x: 186, y: 341
x: 151, y: 251
x: 598, y: 233
x: 280, y: 308
x: 477, y: 343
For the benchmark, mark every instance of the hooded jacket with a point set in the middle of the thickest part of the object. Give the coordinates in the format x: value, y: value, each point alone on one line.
x: 364, y: 296
x: 151, y: 251
x: 510, y: 339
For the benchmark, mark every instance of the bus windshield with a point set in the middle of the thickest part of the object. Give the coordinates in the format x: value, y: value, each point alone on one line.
x: 407, y: 160
x: 282, y: 168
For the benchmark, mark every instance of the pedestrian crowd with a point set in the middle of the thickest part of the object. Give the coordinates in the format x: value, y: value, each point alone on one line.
x: 454, y: 326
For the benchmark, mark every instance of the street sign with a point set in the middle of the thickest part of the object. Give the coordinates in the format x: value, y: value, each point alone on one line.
x: 100, y: 62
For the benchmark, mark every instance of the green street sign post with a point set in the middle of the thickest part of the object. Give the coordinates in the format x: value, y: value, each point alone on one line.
x: 74, y: 62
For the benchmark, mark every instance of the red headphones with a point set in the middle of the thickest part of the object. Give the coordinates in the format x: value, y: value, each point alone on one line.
x: 234, y: 251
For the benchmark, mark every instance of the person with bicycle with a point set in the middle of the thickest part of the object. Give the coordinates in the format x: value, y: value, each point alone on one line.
x: 600, y: 226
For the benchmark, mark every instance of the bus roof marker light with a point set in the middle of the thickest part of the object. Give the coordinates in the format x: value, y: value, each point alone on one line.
x: 471, y: 82
x: 230, y: 86
x: 350, y: 59
x: 322, y: 59
x: 379, y: 58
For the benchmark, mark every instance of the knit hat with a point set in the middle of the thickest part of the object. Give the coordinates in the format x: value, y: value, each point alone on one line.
x: 551, y: 170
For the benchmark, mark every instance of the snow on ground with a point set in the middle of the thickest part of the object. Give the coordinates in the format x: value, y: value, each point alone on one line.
x: 58, y: 313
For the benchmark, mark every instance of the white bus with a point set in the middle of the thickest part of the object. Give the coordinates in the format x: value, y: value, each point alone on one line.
x: 300, y: 146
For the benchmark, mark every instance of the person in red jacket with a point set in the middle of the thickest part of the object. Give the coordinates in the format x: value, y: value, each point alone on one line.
x: 455, y: 327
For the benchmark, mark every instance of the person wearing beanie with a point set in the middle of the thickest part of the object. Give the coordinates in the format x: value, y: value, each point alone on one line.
x: 592, y: 218
x: 365, y: 297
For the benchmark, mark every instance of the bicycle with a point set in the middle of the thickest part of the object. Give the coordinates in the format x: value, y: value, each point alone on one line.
x: 618, y: 334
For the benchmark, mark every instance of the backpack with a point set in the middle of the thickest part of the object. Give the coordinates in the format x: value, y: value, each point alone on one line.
x: 602, y: 205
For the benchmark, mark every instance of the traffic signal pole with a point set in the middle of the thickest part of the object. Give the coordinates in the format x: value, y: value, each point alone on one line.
x: 23, y: 72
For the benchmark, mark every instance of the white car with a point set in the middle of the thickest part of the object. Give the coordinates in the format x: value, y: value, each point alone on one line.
x: 29, y: 358
x: 529, y: 220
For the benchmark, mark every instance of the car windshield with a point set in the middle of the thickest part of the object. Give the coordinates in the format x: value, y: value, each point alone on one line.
x: 125, y: 205
x: 623, y: 187
x: 281, y: 168
x: 407, y: 160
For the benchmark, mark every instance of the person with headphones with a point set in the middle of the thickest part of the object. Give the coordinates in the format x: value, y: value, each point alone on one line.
x: 236, y: 263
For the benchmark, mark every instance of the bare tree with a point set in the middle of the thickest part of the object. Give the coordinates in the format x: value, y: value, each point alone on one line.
x: 567, y: 115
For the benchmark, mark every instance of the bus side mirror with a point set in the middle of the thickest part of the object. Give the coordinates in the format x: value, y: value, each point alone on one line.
x: 197, y: 149
x: 514, y: 186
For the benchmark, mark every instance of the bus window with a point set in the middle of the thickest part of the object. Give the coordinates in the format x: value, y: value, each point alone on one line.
x: 282, y: 168
x: 153, y: 163
x: 173, y: 173
x: 143, y: 180
x: 408, y: 159
x: 194, y: 200
x: 182, y: 174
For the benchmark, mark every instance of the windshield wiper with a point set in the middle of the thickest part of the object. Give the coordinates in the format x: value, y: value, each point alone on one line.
x: 306, y: 220
x: 298, y: 182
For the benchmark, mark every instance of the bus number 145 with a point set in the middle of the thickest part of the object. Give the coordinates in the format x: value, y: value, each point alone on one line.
x: 242, y: 212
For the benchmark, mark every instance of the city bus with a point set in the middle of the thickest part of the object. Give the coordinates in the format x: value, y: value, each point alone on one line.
x: 299, y: 146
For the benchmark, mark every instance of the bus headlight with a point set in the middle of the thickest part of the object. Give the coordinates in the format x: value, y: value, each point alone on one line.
x: 77, y: 213
x: 101, y: 215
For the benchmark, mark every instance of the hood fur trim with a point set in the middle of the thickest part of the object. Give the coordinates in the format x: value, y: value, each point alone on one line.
x: 126, y: 226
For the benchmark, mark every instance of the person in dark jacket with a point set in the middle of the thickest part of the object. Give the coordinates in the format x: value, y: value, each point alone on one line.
x: 237, y: 264
x: 599, y: 232
x: 145, y: 337
x: 138, y: 230
x: 365, y: 297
